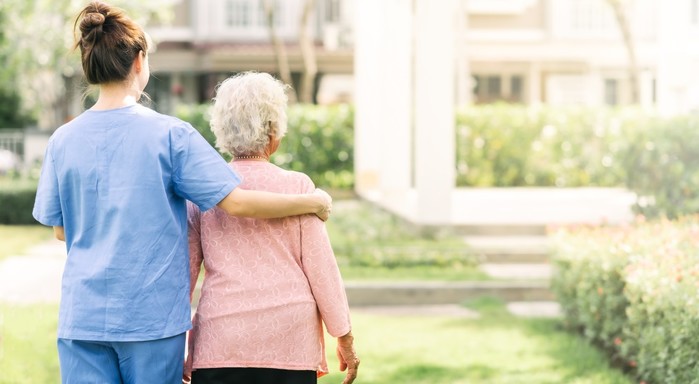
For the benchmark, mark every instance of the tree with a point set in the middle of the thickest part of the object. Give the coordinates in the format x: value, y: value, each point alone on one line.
x: 620, y: 9
x: 11, y: 115
x: 278, y: 46
x: 39, y: 59
x: 310, y: 66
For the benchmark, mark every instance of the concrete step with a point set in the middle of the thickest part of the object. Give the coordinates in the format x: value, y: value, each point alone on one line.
x: 500, y: 229
x: 510, y: 249
x: 518, y: 271
x: 434, y: 293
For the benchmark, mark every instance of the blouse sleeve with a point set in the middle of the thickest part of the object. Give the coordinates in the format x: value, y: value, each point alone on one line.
x: 319, y: 265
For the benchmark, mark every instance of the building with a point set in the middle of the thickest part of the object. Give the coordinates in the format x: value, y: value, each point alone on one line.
x: 525, y: 51
x: 572, y: 52
x: 210, y: 40
x: 430, y: 57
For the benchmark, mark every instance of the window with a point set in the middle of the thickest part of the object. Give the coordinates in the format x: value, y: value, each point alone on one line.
x: 238, y: 13
x: 591, y: 16
x: 332, y: 11
x: 516, y: 89
x: 611, y: 91
x: 491, y: 88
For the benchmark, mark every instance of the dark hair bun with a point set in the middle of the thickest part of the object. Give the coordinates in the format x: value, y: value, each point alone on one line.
x: 92, y: 23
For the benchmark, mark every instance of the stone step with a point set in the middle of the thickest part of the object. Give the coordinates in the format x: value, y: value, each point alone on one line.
x: 509, y: 249
x: 518, y: 271
x: 500, y: 229
x: 434, y: 293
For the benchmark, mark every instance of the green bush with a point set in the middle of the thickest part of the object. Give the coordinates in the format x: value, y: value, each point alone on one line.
x: 319, y: 141
x: 511, y: 146
x: 17, y: 202
x: 372, y: 237
x: 635, y: 291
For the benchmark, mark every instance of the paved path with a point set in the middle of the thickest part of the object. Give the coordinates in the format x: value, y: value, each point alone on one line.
x: 34, y: 277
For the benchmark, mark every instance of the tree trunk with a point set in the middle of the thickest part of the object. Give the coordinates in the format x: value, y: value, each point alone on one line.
x: 623, y: 22
x: 279, y: 49
x: 310, y: 67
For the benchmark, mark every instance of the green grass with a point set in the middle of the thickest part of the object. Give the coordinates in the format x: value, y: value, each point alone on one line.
x: 28, y: 344
x: 18, y: 238
x: 496, y: 348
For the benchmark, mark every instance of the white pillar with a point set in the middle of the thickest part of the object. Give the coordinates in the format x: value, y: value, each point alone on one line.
x: 434, y: 109
x: 368, y: 44
x: 396, y: 100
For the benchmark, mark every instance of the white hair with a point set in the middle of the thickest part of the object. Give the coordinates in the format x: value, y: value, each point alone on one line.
x: 247, y: 108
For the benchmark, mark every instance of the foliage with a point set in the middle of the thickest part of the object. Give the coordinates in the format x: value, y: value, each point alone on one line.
x: 319, y: 141
x: 634, y: 291
x: 17, y: 201
x: 37, y: 44
x: 662, y: 165
x: 366, y: 236
x: 511, y: 146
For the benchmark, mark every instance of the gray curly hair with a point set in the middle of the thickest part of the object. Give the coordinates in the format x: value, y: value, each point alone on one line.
x: 247, y: 108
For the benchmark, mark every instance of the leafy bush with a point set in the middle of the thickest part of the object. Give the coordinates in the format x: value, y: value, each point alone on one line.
x: 635, y: 291
x: 17, y: 202
x: 319, y: 141
x: 371, y: 237
x: 512, y: 146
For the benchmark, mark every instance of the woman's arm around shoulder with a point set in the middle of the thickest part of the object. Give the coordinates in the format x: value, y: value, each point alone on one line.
x: 268, y: 205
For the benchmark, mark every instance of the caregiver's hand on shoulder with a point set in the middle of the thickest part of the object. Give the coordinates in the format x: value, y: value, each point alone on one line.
x: 327, y: 204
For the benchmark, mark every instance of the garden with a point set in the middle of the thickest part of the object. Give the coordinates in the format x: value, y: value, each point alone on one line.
x: 628, y: 293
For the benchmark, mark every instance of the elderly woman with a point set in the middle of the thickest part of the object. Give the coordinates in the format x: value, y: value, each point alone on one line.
x: 269, y: 283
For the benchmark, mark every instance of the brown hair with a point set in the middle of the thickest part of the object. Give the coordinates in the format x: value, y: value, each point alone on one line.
x: 109, y: 42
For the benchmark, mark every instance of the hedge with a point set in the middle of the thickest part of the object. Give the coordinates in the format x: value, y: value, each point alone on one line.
x: 511, y: 146
x: 634, y: 291
x: 17, y: 202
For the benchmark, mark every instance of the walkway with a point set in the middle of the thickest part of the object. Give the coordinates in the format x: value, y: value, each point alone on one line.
x: 36, y: 278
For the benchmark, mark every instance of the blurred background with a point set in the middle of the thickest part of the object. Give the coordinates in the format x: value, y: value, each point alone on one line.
x: 523, y: 172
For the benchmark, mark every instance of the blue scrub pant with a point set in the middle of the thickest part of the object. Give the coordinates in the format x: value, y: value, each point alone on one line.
x: 124, y: 362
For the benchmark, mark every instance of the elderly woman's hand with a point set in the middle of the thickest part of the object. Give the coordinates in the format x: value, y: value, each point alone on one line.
x: 348, y: 357
x: 327, y: 202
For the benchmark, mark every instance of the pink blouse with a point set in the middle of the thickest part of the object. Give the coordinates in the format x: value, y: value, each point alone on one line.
x: 268, y: 284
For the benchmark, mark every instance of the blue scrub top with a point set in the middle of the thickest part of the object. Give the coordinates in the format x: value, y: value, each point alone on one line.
x: 117, y: 181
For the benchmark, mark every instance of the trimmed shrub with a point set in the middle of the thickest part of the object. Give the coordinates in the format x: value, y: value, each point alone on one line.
x: 634, y: 291
x: 17, y: 202
x: 511, y: 146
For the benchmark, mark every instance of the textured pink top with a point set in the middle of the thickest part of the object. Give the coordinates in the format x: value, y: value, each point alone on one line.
x: 268, y: 283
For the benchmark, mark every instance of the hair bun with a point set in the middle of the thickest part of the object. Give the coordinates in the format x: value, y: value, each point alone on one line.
x: 94, y: 19
x: 91, y: 26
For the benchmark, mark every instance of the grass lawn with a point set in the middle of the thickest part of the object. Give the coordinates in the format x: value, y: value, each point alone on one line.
x: 17, y: 238
x: 28, y: 344
x: 492, y: 349
x: 497, y: 348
